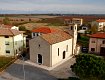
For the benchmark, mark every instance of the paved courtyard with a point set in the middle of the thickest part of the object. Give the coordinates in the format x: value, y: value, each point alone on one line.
x: 15, y: 72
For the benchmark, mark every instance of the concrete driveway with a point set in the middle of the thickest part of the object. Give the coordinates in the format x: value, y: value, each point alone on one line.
x: 15, y: 72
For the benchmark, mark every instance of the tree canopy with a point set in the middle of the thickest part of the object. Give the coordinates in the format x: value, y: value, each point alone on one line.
x: 89, y: 67
x: 22, y: 28
x: 94, y: 28
x: 6, y: 21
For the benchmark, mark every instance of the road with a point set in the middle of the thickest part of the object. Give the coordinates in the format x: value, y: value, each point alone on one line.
x: 15, y: 72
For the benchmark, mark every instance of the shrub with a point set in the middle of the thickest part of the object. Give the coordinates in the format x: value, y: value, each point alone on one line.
x: 22, y: 28
x: 73, y: 78
x: 89, y: 67
x: 6, y: 21
x: 83, y: 40
x: 70, y: 78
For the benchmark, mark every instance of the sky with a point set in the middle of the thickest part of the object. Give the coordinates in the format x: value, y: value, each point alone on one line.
x: 53, y: 6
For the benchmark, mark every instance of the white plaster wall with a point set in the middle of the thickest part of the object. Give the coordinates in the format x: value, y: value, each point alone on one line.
x: 18, y: 42
x: 4, y: 47
x: 78, y: 50
x: 14, y: 27
x: 62, y: 47
x: 24, y: 41
x: 75, y: 39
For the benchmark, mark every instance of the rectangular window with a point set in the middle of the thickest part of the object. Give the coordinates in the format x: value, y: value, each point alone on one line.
x: 92, y: 49
x: 71, y: 27
x: 58, y: 51
x: 6, y: 43
x: 20, y: 49
x: 8, y: 51
x: 37, y: 34
x: 103, y: 42
x: 67, y: 48
x: 6, y: 36
x: 15, y: 42
x: 33, y: 34
x: 93, y: 42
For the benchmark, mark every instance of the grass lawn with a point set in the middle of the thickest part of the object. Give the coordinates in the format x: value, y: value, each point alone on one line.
x: 5, y: 61
x: 83, y: 40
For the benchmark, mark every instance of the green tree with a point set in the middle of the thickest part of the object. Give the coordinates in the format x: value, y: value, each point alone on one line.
x: 6, y: 21
x: 89, y: 67
x: 28, y: 33
x: 94, y: 28
x: 22, y: 28
x: 104, y: 28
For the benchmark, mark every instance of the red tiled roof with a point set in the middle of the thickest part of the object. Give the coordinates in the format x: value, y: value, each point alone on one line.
x: 9, y: 32
x: 6, y: 26
x: 4, y: 32
x: 101, y: 20
x: 15, y: 32
x: 98, y: 35
x: 44, y: 30
x: 53, y: 38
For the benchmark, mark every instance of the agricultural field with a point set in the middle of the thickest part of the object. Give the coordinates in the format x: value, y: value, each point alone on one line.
x: 29, y: 22
x: 32, y: 21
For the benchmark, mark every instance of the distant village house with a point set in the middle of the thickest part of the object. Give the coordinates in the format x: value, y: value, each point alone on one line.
x: 97, y: 44
x: 77, y: 21
x: 99, y: 24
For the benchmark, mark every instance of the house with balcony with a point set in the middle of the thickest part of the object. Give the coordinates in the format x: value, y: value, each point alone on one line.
x: 11, y: 42
x: 97, y: 43
x: 99, y: 24
x: 52, y: 46
x: 78, y: 21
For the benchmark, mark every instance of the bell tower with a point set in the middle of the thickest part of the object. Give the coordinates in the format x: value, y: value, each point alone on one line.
x: 73, y: 32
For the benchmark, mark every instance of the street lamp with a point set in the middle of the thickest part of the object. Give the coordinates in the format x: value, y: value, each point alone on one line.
x: 23, y: 64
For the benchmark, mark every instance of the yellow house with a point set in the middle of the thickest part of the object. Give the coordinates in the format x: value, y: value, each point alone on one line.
x: 11, y: 42
x: 50, y: 47
x: 97, y: 43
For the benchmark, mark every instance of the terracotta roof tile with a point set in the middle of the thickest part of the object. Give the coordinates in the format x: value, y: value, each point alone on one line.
x: 45, y: 30
x: 9, y: 32
x: 98, y: 35
x: 15, y: 32
x: 6, y: 26
x: 101, y: 20
x: 4, y: 32
x: 53, y: 38
x: 53, y: 35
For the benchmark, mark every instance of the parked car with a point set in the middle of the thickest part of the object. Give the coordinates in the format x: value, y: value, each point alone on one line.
x: 84, y: 49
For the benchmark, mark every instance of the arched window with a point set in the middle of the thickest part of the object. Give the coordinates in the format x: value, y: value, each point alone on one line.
x: 39, y: 60
x: 64, y: 54
x: 58, y: 51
